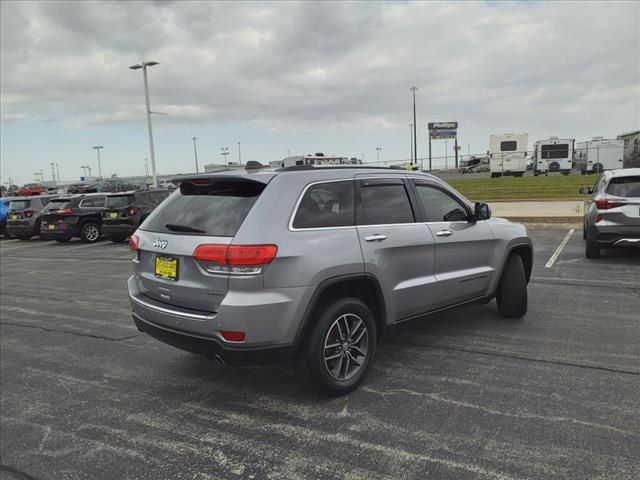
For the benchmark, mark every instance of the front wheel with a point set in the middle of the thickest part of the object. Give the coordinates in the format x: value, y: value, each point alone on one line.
x: 512, y: 290
x: 90, y: 232
x: 341, y: 347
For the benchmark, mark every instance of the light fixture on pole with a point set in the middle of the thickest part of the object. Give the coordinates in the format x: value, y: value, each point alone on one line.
x: 378, y: 153
x: 144, y: 66
x: 224, y: 151
x: 195, y: 152
x: 97, y: 148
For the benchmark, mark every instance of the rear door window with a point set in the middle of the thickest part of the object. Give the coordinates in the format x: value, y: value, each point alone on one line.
x: 326, y: 205
x: 624, y: 186
x: 384, y: 202
x: 217, y: 209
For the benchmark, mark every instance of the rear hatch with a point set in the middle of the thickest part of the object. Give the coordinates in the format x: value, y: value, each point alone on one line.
x: 119, y: 207
x: 56, y: 211
x: 19, y: 209
x: 621, y: 203
x: 206, y: 213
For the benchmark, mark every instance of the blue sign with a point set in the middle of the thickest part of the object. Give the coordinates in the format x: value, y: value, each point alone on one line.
x: 82, y: 179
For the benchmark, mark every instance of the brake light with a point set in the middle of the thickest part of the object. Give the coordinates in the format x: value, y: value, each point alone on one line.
x: 605, y: 203
x: 28, y: 213
x: 239, y: 259
x: 131, y: 211
x: 134, y: 243
x: 231, y: 336
x: 64, y: 211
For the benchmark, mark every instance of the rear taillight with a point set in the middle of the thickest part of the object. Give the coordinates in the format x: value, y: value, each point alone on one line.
x: 28, y: 213
x: 131, y: 211
x: 134, y: 243
x: 605, y: 203
x: 231, y: 336
x: 238, y: 259
x: 64, y: 211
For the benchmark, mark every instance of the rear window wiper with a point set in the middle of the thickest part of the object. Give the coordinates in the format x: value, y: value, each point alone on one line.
x: 183, y: 228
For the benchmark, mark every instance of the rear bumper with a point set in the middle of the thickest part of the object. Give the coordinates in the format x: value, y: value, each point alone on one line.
x: 614, y: 236
x: 214, y: 348
x: 18, y: 229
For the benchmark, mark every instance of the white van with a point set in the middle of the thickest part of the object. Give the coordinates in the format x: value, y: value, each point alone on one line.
x: 508, y: 154
x: 553, y: 155
x: 599, y: 154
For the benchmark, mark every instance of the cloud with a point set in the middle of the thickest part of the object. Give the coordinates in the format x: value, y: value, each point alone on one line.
x: 315, y: 62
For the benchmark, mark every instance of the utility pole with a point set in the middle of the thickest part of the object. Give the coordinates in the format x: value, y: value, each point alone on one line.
x: 144, y: 66
x: 411, y: 140
x: 58, y: 171
x: 195, y: 152
x: 97, y: 148
x: 53, y: 173
x: 415, y: 140
x: 239, y: 155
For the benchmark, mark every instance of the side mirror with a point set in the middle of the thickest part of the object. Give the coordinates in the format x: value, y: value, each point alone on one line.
x: 585, y: 190
x: 481, y: 211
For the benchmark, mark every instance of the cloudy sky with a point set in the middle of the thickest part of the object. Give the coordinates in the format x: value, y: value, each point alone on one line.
x: 304, y: 77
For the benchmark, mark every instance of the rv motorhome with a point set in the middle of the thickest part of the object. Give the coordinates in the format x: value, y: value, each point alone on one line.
x: 553, y: 155
x: 508, y: 154
x: 315, y: 159
x: 599, y: 154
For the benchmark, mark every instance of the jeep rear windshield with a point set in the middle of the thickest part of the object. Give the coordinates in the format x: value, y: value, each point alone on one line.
x: 119, y: 201
x: 19, y: 205
x: 619, y: 186
x: 216, y: 209
x: 57, y: 204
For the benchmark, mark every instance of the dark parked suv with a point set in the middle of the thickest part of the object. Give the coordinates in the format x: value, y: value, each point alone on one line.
x: 123, y: 212
x: 314, y: 264
x: 23, y: 218
x: 76, y: 216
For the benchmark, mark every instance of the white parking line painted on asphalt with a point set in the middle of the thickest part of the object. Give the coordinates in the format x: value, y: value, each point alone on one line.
x: 85, y: 245
x: 553, y: 258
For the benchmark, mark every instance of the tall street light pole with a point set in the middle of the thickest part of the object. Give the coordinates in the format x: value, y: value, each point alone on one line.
x: 415, y: 140
x: 411, y: 139
x: 239, y: 155
x: 146, y: 167
x: 97, y: 148
x: 53, y: 173
x: 195, y: 152
x: 144, y: 66
x: 378, y: 153
x: 224, y: 151
x: 58, y: 171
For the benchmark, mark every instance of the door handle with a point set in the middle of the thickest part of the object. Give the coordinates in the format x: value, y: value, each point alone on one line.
x: 444, y: 233
x: 375, y: 238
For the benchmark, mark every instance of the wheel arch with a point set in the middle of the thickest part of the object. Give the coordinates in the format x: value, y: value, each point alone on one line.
x: 362, y: 285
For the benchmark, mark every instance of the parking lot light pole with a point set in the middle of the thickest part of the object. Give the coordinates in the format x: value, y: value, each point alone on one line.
x: 195, y: 152
x: 58, y: 171
x: 415, y: 140
x: 224, y: 151
x: 239, y: 155
x: 411, y: 139
x: 97, y: 148
x: 144, y: 66
x: 378, y: 153
x: 53, y: 173
x: 146, y: 167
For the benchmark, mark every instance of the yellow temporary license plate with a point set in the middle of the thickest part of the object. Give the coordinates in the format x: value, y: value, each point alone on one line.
x: 52, y: 227
x: 167, y: 267
x: 14, y: 217
x: 113, y: 215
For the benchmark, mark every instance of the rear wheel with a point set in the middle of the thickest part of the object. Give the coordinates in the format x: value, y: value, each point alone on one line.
x: 512, y: 290
x: 90, y: 232
x: 591, y: 249
x: 341, y: 347
x: 118, y: 238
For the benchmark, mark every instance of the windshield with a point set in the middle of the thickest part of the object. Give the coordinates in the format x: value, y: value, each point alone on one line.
x: 217, y: 209
x: 119, y: 201
x: 17, y: 205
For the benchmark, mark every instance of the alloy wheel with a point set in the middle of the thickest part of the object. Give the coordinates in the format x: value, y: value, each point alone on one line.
x: 345, y: 346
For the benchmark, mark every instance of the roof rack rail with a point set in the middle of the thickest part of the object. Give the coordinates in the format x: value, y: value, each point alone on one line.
x: 294, y: 168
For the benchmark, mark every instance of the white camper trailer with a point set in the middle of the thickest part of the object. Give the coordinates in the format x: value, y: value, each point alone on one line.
x: 599, y: 154
x: 315, y: 159
x: 508, y: 154
x: 553, y: 155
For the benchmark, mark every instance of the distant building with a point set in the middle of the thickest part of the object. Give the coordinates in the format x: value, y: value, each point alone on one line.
x: 221, y: 167
x: 631, y: 148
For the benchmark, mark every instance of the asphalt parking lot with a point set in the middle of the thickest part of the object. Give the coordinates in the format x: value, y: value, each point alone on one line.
x: 457, y: 396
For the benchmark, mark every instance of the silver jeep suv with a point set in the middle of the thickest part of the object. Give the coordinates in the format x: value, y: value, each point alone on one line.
x: 313, y: 264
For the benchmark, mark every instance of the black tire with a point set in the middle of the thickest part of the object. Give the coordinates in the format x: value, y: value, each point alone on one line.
x: 317, y: 366
x: 90, y: 232
x: 118, y: 238
x: 511, y: 296
x: 584, y: 230
x: 62, y: 240
x: 591, y: 249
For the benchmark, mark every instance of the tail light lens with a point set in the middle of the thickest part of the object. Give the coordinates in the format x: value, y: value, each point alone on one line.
x: 237, y: 259
x: 28, y: 213
x: 64, y: 211
x: 131, y: 211
x: 134, y: 243
x: 605, y: 203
